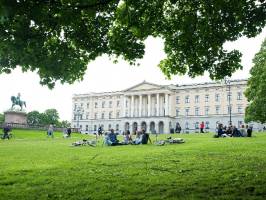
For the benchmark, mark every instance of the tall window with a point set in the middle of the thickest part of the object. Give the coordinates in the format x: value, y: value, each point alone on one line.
x: 95, y: 105
x: 239, y: 109
x: 207, y: 125
x: 197, y: 111
x: 87, y: 116
x: 229, y: 96
x: 117, y: 103
x: 217, y: 97
x: 197, y: 99
x: 110, y: 104
x: 206, y: 98
x: 187, y: 99
x: 102, y: 115
x: 187, y: 125
x: 197, y: 125
x: 217, y: 110
x: 95, y: 115
x: 88, y: 105
x: 109, y: 126
x: 207, y: 110
x: 110, y: 115
x: 186, y: 111
x: 103, y: 104
x: 117, y: 115
x: 239, y: 96
x: 177, y: 100
x: 126, y: 103
x: 87, y: 127
x: 177, y: 112
x: 117, y: 127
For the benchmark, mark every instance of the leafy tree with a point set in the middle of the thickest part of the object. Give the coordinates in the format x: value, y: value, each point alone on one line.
x: 50, y: 116
x: 2, y: 118
x: 57, y: 38
x: 65, y: 124
x: 256, y: 89
x: 34, y: 118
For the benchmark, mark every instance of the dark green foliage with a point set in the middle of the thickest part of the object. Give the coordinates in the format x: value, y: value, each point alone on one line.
x: 256, y: 90
x: 50, y: 116
x: 57, y: 38
x: 2, y: 118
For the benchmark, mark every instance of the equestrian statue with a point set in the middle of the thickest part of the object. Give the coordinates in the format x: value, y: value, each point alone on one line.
x: 17, y: 101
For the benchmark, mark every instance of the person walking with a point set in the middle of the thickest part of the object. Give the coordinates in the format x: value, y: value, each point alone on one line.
x: 50, y: 131
x: 202, y: 127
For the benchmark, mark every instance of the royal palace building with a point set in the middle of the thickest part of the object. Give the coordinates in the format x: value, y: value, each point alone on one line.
x: 158, y: 108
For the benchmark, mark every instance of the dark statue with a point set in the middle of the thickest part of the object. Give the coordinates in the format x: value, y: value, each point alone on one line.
x: 17, y: 101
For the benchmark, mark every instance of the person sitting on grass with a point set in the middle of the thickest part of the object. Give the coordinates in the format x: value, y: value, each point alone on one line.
x: 138, y: 138
x: 111, y: 139
x: 145, y: 137
x: 127, y: 138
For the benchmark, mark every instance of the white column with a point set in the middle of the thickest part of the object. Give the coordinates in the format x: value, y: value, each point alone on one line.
x: 149, y: 105
x: 170, y: 105
x: 140, y: 105
x: 158, y: 102
x: 166, y: 104
x: 124, y: 106
x: 132, y: 106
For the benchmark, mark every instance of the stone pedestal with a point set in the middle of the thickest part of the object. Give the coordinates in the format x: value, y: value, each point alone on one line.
x: 17, y: 117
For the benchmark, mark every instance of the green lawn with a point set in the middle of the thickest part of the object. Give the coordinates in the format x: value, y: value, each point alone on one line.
x: 33, y: 166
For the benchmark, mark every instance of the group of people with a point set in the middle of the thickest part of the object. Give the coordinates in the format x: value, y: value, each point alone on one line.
x: 232, y: 131
x: 141, y: 137
x: 66, y: 132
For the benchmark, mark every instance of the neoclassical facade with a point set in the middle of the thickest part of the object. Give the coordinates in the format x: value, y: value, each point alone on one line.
x: 158, y: 108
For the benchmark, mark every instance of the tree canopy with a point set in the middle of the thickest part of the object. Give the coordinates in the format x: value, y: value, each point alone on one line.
x: 256, y: 90
x: 49, y: 116
x: 58, y: 38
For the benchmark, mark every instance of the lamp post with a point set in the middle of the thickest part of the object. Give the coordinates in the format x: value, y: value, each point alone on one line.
x: 78, y: 112
x: 228, y: 83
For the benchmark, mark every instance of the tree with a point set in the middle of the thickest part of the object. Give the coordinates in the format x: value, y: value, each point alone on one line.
x: 57, y: 38
x: 64, y: 124
x: 256, y: 88
x: 2, y: 118
x: 34, y: 118
x: 51, y: 116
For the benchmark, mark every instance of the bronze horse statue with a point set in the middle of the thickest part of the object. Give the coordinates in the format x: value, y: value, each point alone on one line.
x: 17, y: 101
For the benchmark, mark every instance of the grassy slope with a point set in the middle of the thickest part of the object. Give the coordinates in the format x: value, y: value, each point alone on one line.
x: 35, y: 167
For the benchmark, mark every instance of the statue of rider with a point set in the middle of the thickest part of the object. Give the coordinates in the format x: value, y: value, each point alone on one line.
x: 18, y: 97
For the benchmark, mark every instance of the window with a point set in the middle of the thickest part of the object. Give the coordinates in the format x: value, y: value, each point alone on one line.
x: 87, y: 127
x: 197, y: 125
x: 102, y: 115
x: 197, y: 99
x: 103, y: 104
x: 186, y: 111
x: 207, y: 124
x: 177, y: 112
x: 87, y: 116
x: 117, y: 103
x: 95, y: 128
x: 187, y: 125
x: 75, y: 117
x: 117, y: 115
x: 75, y: 106
x: 207, y: 110
x: 81, y: 105
x: 187, y: 99
x: 109, y: 126
x: 206, y: 98
x: 95, y: 115
x: 110, y: 104
x: 239, y: 96
x: 117, y: 127
x: 110, y: 115
x: 217, y: 97
x: 88, y: 105
x: 95, y: 105
x: 217, y: 110
x: 239, y: 109
x: 197, y: 111
x: 177, y: 100
x: 126, y: 103
x: 229, y: 96
x: 81, y: 116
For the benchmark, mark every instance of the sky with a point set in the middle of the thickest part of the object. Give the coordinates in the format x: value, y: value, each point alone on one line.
x: 103, y: 75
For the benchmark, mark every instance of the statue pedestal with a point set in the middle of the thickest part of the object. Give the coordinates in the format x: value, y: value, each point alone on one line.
x: 17, y: 117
